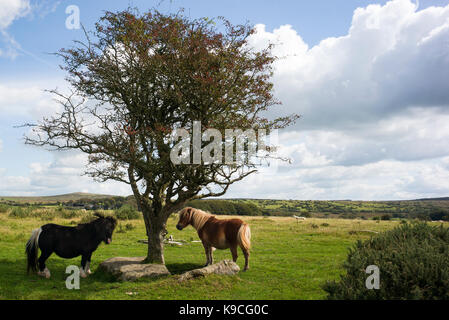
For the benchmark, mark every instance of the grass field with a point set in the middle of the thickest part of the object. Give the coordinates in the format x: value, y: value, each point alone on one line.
x: 289, y: 260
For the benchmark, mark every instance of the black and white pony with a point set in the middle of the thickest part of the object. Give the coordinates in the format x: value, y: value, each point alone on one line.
x: 68, y: 242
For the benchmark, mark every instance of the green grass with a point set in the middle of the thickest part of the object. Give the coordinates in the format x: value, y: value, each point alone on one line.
x: 289, y: 260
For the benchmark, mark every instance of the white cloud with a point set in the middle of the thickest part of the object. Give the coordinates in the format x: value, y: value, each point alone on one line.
x: 11, y: 10
x: 374, y: 106
x: 45, y: 7
x: 393, y: 58
x: 382, y: 180
x: 419, y: 135
x: 62, y: 175
x: 26, y: 100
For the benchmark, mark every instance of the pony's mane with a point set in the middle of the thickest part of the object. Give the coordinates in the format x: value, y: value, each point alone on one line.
x: 199, y: 218
x: 100, y: 218
x: 86, y: 224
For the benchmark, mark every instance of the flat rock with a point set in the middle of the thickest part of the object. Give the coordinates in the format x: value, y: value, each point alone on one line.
x: 226, y: 267
x: 130, y: 269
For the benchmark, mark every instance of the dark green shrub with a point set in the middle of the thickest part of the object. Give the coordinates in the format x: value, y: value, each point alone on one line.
x: 19, y: 212
x: 68, y: 214
x: 226, y: 207
x: 87, y: 218
x: 127, y: 212
x: 3, y: 208
x: 385, y: 217
x: 124, y: 228
x: 129, y: 226
x: 423, y: 216
x: 120, y: 229
x: 413, y: 260
x: 306, y: 214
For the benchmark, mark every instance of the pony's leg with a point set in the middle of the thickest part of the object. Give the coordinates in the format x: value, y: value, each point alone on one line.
x: 87, y: 266
x: 211, y: 256
x: 208, y: 251
x: 234, y: 253
x: 43, y: 270
x: 83, y: 266
x: 246, y: 254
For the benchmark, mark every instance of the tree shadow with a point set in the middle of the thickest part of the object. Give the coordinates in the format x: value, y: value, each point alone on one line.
x: 179, y: 268
x: 18, y: 284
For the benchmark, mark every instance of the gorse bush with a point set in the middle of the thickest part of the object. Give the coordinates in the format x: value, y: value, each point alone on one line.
x: 19, y: 212
x: 67, y: 214
x: 127, y: 212
x: 43, y: 213
x: 413, y: 260
x: 124, y: 228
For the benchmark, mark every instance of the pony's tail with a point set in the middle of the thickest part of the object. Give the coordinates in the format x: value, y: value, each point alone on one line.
x: 244, y: 237
x: 31, y: 250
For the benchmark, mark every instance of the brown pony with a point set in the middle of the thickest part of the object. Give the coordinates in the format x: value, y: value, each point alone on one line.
x: 215, y: 233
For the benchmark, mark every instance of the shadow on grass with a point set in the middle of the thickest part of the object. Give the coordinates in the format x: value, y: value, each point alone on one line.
x: 178, y: 268
x: 17, y: 284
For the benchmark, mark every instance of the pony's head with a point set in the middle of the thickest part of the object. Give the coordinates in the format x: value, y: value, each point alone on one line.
x: 185, y: 218
x: 104, y: 227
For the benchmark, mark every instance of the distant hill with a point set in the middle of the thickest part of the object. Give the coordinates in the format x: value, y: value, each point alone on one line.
x: 425, y: 209
x: 58, y: 198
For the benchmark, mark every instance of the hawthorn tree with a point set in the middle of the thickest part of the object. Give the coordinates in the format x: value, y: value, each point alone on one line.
x: 137, y: 77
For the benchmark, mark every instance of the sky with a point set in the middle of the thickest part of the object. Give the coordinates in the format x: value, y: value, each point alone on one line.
x: 370, y: 80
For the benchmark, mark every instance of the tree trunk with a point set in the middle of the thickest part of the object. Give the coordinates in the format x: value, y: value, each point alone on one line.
x: 155, y: 231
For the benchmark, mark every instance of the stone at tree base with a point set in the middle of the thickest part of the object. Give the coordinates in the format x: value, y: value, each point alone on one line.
x: 226, y: 267
x: 130, y: 269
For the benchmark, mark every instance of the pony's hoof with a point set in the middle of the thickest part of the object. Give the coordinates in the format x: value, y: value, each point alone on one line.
x: 88, y: 271
x: 83, y: 274
x: 45, y: 273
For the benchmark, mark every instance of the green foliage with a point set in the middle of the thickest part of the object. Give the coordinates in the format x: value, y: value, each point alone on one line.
x: 20, y: 212
x: 226, y: 207
x: 3, y: 208
x: 306, y: 214
x: 87, y: 218
x: 43, y: 213
x: 127, y: 212
x: 419, y: 209
x: 124, y: 228
x: 413, y: 260
x: 109, y: 203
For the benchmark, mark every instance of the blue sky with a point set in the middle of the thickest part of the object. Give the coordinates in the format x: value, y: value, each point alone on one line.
x: 368, y: 80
